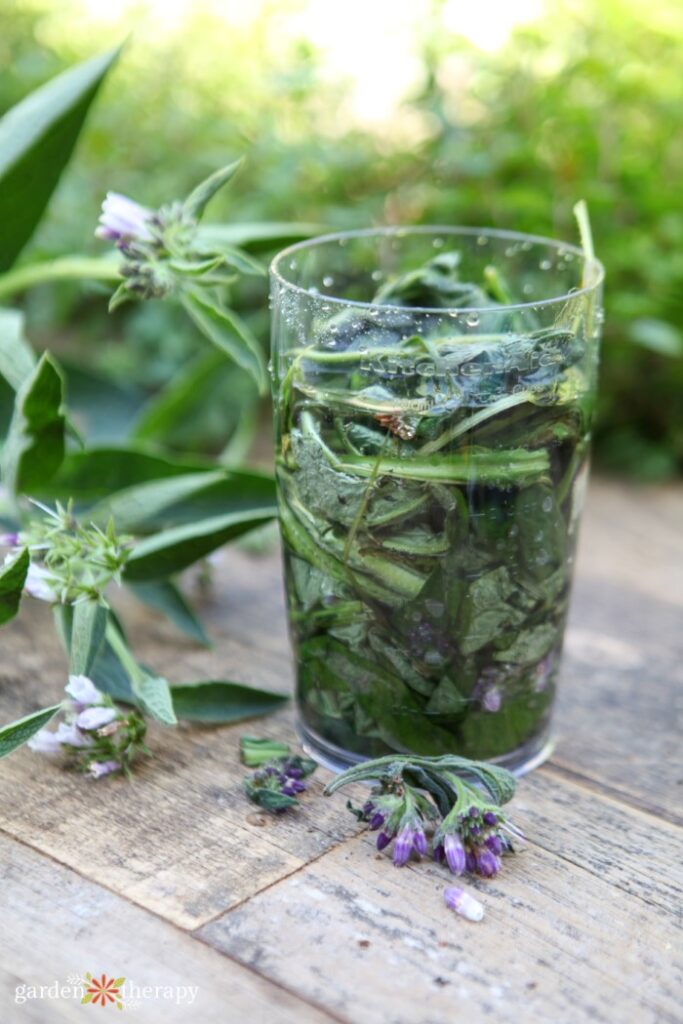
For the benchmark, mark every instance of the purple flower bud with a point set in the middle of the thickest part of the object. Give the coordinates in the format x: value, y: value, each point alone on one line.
x: 403, y: 846
x: 383, y: 840
x: 99, y: 768
x: 494, y: 844
x: 123, y: 220
x: 294, y: 773
x: 475, y: 830
x: 470, y: 862
x: 439, y: 853
x: 455, y: 852
x: 474, y: 812
x: 462, y: 903
x: 292, y: 787
x: 376, y: 821
x: 490, y: 818
x: 488, y: 864
x: 367, y: 808
x: 420, y: 842
x: 9, y: 540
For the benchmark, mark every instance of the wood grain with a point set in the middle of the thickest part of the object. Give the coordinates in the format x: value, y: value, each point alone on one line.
x: 57, y: 925
x: 580, y: 927
x: 378, y: 945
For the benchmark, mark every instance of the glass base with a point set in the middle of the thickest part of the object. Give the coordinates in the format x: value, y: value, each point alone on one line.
x: 523, y: 759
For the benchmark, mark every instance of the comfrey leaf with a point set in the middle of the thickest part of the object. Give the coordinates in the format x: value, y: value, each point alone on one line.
x: 17, y: 733
x: 197, y: 201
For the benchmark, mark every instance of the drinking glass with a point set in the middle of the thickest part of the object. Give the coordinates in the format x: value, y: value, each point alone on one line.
x: 433, y: 391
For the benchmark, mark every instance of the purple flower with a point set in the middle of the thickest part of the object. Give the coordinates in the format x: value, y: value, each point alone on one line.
x: 439, y: 853
x: 95, y: 718
x: 492, y: 699
x: 99, y: 768
x: 494, y: 844
x: 403, y: 845
x: 292, y: 787
x: 462, y: 903
x: 376, y: 821
x: 490, y: 818
x: 383, y: 840
x: 420, y: 842
x: 487, y: 864
x: 470, y: 862
x: 454, y: 852
x: 39, y: 584
x: 45, y: 742
x: 83, y: 691
x: 9, y: 540
x: 124, y: 220
x: 72, y: 736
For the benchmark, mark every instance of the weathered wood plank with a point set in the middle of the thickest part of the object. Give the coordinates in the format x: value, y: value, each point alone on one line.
x: 56, y: 925
x: 377, y: 944
x: 189, y: 847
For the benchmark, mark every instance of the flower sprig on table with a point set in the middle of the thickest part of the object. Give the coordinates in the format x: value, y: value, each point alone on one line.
x: 279, y: 777
x: 96, y: 736
x: 449, y: 806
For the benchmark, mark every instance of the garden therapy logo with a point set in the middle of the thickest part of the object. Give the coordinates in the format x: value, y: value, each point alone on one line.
x: 103, y: 990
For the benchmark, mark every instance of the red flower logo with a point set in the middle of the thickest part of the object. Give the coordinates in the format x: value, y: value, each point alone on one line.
x: 103, y: 990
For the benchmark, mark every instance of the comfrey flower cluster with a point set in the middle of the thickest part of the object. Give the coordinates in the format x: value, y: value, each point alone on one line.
x: 447, y: 806
x: 278, y: 780
x: 69, y: 561
x: 96, y: 737
x: 162, y: 251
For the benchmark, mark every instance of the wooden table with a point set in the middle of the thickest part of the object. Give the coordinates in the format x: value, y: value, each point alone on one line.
x: 176, y: 880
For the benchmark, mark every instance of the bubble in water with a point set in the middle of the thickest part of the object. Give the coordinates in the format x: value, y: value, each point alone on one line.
x: 453, y: 314
x: 377, y: 275
x: 546, y: 264
x: 472, y: 320
x: 328, y: 281
x: 482, y: 240
x: 313, y: 290
x: 527, y: 288
x: 438, y: 243
x: 547, y: 504
x: 293, y: 265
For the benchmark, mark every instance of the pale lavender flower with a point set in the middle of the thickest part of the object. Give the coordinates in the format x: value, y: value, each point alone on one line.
x: 39, y: 584
x: 462, y: 903
x: 83, y: 691
x: 45, y: 742
x: 403, y: 845
x: 95, y: 718
x: 99, y: 768
x: 70, y: 734
x: 454, y: 852
x: 124, y: 220
x: 492, y: 699
x: 9, y: 540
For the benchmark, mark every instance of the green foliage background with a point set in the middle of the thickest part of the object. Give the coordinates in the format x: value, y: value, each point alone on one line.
x: 586, y: 102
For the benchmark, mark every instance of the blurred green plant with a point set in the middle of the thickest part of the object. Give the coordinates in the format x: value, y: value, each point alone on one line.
x: 128, y: 515
x: 585, y: 102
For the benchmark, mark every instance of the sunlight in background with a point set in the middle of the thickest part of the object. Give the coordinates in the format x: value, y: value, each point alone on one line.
x: 371, y: 45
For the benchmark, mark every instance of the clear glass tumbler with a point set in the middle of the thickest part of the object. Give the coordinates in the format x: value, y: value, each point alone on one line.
x: 433, y: 390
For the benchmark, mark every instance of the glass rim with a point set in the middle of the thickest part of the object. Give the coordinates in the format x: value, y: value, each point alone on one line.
x: 427, y: 229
